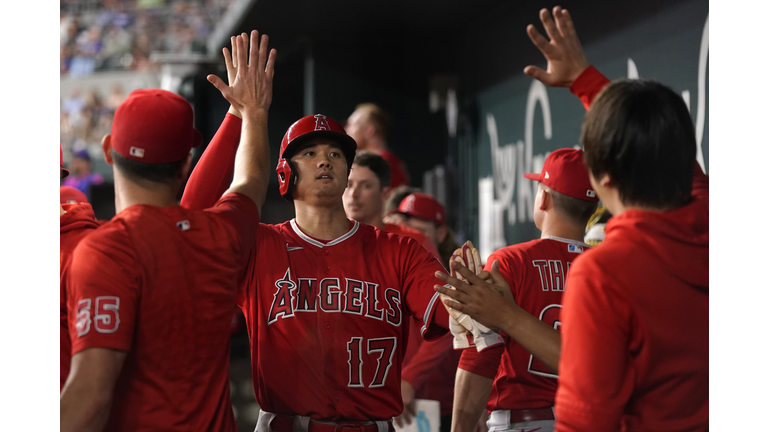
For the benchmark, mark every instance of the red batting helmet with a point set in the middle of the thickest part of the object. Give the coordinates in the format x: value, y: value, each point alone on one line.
x: 307, y: 127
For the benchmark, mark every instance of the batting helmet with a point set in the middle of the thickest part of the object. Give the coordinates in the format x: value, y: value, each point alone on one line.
x: 307, y: 127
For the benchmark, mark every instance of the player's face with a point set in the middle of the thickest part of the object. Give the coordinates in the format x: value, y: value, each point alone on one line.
x: 321, y: 168
x: 364, y: 197
x: 427, y: 227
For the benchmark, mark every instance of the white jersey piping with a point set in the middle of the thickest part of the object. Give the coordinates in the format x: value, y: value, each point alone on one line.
x: 333, y: 242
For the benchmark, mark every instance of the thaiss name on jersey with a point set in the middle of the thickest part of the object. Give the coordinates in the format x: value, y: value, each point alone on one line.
x: 330, y: 295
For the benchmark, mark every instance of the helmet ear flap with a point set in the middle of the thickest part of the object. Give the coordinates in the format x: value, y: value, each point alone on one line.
x: 287, y: 178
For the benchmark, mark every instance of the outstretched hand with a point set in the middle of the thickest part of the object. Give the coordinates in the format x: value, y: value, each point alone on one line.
x: 565, y: 56
x: 250, y: 73
x: 488, y: 302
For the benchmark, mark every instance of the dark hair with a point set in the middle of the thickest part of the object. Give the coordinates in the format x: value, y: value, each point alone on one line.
x: 376, y: 115
x: 137, y: 171
x: 576, y: 210
x: 640, y: 133
x: 397, y: 195
x: 377, y: 164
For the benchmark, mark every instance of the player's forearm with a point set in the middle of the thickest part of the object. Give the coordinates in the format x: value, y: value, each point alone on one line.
x: 83, y: 408
x: 251, y: 175
x: 539, y: 339
x: 469, y: 399
x: 213, y: 172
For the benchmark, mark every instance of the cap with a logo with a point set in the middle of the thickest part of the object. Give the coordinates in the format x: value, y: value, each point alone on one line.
x: 565, y: 172
x: 70, y: 195
x: 154, y: 126
x: 64, y: 171
x: 423, y: 206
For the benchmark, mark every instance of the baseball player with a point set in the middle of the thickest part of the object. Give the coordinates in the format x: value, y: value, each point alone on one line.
x: 423, y: 212
x: 151, y: 292
x: 521, y: 388
x: 327, y: 301
x: 622, y: 305
x: 368, y: 125
x: 429, y: 367
x: 367, y: 189
x: 76, y: 220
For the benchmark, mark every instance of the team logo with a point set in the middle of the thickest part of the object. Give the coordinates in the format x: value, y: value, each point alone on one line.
x: 183, y: 225
x: 572, y: 248
x: 408, y: 204
x: 321, y: 123
x: 136, y: 152
x: 546, y: 174
x: 591, y: 193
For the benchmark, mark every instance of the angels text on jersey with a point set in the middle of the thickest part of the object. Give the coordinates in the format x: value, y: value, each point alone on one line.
x: 330, y: 295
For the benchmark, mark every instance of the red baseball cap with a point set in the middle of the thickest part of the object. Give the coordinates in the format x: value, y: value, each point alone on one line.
x: 70, y: 195
x: 154, y: 126
x: 423, y: 206
x: 64, y: 171
x: 565, y: 172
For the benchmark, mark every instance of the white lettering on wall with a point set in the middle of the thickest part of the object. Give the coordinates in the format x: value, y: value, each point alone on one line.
x: 512, y: 160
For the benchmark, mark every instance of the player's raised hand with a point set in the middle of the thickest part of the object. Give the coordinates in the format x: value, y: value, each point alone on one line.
x: 487, y: 302
x: 253, y: 70
x: 563, y: 51
x: 231, y: 64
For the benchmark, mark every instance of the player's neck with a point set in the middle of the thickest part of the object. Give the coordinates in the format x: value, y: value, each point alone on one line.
x: 129, y: 193
x: 323, y: 223
x: 376, y: 144
x: 561, y: 230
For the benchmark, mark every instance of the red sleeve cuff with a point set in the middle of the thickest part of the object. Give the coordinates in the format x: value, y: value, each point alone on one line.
x: 485, y: 363
x: 436, y: 323
x: 588, y: 85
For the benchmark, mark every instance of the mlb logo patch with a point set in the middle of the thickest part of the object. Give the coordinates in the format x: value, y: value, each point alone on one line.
x: 572, y: 248
x: 136, y: 152
x: 591, y: 193
x: 183, y: 225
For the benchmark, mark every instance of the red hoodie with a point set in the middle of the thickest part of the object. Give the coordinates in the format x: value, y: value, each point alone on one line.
x: 76, y: 223
x: 635, y: 325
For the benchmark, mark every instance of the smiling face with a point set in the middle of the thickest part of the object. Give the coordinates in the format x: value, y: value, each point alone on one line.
x: 321, y: 169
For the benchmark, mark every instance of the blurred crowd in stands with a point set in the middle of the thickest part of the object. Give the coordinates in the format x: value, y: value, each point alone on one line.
x: 121, y: 34
x: 86, y: 116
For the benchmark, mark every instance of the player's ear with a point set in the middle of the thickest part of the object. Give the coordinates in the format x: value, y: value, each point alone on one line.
x: 546, y: 199
x: 602, y: 182
x: 106, y: 146
x: 385, y: 194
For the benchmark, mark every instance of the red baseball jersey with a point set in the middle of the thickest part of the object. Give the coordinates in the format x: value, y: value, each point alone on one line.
x: 329, y: 321
x: 161, y: 283
x: 75, y: 224
x: 537, y: 272
x: 400, y: 175
x: 635, y: 348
